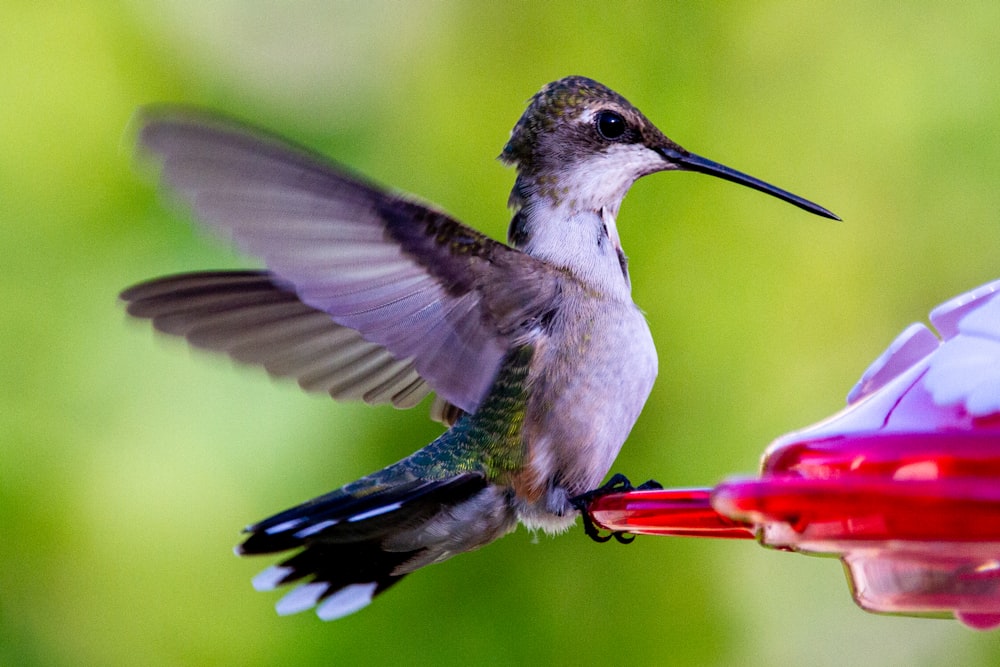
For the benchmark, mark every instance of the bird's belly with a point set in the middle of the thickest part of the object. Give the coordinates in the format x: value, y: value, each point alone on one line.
x: 590, y: 387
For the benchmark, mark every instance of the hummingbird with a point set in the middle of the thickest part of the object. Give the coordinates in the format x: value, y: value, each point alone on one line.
x: 538, y: 357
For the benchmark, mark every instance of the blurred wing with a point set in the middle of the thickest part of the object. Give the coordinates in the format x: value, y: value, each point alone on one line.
x: 434, y: 293
x: 257, y: 321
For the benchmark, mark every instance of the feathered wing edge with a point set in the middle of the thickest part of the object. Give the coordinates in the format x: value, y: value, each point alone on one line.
x: 256, y: 320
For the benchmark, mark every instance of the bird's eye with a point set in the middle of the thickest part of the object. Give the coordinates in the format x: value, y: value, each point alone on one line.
x: 611, y: 125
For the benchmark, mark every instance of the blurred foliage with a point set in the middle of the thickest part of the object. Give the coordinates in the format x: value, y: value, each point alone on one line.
x: 128, y: 464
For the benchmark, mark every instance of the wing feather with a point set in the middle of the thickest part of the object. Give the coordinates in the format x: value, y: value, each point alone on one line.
x: 257, y: 321
x: 443, y: 300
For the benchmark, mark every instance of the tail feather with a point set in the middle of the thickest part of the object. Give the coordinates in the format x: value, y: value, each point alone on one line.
x: 344, y: 560
x: 350, y: 515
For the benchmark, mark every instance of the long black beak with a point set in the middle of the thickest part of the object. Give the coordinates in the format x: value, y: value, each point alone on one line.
x: 691, y: 162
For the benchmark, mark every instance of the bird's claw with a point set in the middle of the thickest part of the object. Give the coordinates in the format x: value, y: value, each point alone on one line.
x: 619, y: 483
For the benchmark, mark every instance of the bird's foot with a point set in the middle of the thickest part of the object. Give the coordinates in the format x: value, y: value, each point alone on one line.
x: 619, y: 483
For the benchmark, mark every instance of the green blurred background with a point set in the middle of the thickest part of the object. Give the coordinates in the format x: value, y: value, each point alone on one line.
x: 128, y: 464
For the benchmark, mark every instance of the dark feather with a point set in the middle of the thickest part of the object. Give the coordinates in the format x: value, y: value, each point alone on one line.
x: 345, y: 558
x: 347, y: 516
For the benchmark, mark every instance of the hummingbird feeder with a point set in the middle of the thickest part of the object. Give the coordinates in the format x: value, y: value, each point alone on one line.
x: 903, y: 485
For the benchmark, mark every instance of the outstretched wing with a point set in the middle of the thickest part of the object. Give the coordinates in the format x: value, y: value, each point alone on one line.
x: 440, y: 297
x: 257, y: 321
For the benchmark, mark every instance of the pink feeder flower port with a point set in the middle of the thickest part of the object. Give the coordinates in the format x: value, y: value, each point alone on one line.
x: 903, y: 484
